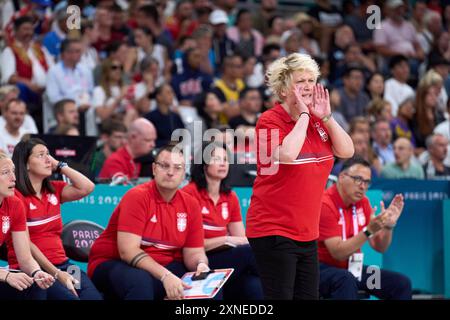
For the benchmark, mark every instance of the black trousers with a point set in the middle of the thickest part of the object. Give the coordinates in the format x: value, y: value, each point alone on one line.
x: 289, y: 269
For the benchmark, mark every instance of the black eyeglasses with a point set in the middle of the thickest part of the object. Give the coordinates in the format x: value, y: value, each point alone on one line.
x: 115, y: 67
x: 358, y: 180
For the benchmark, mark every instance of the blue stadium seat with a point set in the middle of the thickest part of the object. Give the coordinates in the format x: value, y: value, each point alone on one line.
x: 78, y: 236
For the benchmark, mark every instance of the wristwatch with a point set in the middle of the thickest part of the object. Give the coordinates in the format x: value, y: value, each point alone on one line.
x: 326, y: 118
x: 61, y: 165
x: 367, y: 232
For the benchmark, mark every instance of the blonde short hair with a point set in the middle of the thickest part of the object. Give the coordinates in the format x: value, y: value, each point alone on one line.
x: 3, y: 155
x: 279, y: 73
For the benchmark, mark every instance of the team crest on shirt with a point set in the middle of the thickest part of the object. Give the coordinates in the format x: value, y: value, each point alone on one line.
x: 225, y: 211
x: 32, y: 206
x: 181, y: 221
x: 52, y: 199
x: 5, y: 224
x: 205, y: 210
x: 154, y: 219
x: 361, y: 216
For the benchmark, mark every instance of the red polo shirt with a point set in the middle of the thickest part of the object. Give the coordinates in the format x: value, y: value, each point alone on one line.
x: 120, y: 163
x: 216, y: 217
x: 12, y: 218
x: 331, y: 223
x: 165, y: 227
x: 44, y: 224
x: 287, y: 197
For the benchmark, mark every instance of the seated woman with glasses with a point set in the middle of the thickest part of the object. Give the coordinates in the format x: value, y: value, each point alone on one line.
x: 225, y: 242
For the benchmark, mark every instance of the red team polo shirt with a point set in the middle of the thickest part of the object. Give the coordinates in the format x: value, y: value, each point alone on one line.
x: 12, y: 218
x: 216, y: 217
x: 287, y: 203
x: 44, y: 224
x: 165, y: 227
x: 120, y: 162
x: 331, y: 222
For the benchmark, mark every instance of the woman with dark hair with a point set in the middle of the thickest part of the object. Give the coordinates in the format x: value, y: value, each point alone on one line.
x: 209, y: 108
x: 225, y: 242
x: 42, y: 199
x: 375, y: 86
x: 30, y: 282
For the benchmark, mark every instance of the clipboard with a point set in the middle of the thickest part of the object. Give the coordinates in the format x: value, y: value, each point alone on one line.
x: 208, y: 287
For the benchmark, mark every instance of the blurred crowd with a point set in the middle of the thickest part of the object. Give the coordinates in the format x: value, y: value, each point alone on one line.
x: 132, y: 72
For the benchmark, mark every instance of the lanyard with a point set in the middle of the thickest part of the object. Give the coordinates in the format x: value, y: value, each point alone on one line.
x: 355, y: 223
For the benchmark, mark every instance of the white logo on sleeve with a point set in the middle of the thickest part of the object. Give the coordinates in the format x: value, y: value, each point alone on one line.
x: 181, y: 221
x: 225, y: 211
x: 52, y: 199
x: 32, y: 206
x: 5, y: 224
x: 205, y: 210
x: 154, y: 219
x: 361, y: 216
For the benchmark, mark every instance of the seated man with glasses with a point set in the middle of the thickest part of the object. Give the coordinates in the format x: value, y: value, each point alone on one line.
x: 347, y: 221
x: 154, y: 236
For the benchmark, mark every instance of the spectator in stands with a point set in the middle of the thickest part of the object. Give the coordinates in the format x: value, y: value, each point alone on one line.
x: 404, y: 165
x: 68, y: 79
x: 183, y: 22
x: 165, y: 120
x: 329, y: 17
x: 261, y: 18
x: 141, y: 139
x: 396, y: 36
x: 203, y: 41
x: 433, y: 28
x: 342, y: 39
x: 361, y: 125
x: 249, y: 42
x: 353, y: 56
x: 30, y: 284
x: 191, y: 80
x: 291, y: 42
x: 25, y: 63
x: 437, y: 146
x: 353, y: 99
x: 221, y: 44
x: 382, y: 141
x: 358, y: 22
x: 143, y: 91
x: 276, y: 29
x: 103, y: 20
x: 111, y: 97
x: 119, y: 51
x: 229, y: 86
x: 8, y: 93
x: 222, y: 222
x: 119, y: 25
x: 363, y: 150
x: 154, y: 236
x: 250, y: 104
x: 12, y: 131
x: 308, y: 43
x: 145, y: 46
x: 375, y: 86
x: 52, y: 40
x: 67, y: 130
x: 66, y: 113
x: 340, y: 243
x: 401, y: 125
x: 396, y: 89
x: 441, y: 67
x: 148, y: 17
x: 425, y: 119
x: 209, y: 108
x: 379, y: 109
x: 42, y: 200
x: 113, y: 134
x: 229, y: 6
x: 89, y: 35
x: 419, y: 9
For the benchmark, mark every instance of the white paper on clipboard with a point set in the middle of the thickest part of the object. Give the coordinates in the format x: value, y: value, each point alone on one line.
x: 207, y: 288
